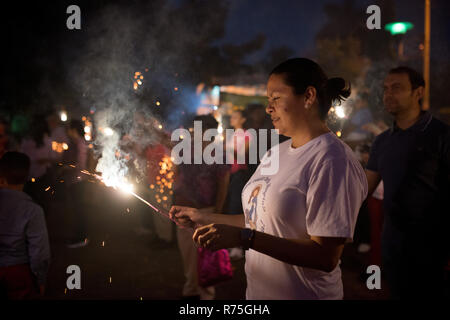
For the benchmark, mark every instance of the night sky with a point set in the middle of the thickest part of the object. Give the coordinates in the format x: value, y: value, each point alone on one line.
x: 296, y: 23
x: 39, y: 52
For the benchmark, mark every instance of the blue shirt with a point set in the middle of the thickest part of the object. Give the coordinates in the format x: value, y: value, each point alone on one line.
x: 23, y: 233
x: 414, y: 165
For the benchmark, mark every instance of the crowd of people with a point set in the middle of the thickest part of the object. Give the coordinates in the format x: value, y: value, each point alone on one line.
x: 291, y: 226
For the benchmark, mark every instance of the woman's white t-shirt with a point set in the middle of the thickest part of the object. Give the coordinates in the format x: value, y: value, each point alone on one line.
x: 317, y: 191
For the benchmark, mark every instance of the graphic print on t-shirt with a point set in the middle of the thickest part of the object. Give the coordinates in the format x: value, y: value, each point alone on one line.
x: 251, y: 216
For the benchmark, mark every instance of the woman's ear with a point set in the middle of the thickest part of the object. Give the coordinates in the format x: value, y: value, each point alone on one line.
x: 310, y: 96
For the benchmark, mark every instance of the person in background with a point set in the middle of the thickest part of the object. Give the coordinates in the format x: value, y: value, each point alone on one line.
x: 38, y: 147
x: 239, y: 173
x: 204, y: 187
x: 413, y: 160
x: 76, y: 155
x: 355, y: 131
x: 159, y: 174
x: 24, y: 244
x: 57, y: 132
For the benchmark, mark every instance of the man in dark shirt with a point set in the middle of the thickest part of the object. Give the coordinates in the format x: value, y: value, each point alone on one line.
x: 413, y: 160
x: 24, y: 246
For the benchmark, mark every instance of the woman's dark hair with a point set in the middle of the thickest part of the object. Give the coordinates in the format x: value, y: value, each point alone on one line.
x: 299, y: 73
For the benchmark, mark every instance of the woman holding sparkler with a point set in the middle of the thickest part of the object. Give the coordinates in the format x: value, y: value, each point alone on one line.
x: 304, y: 214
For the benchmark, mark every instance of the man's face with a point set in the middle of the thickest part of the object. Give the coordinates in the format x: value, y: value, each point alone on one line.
x: 399, y: 97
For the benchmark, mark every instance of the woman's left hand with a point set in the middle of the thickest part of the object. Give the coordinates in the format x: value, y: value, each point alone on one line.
x: 217, y: 236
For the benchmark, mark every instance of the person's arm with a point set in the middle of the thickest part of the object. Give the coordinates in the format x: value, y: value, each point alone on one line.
x: 321, y: 253
x: 222, y: 189
x: 373, y: 180
x: 191, y: 217
x: 371, y: 170
x: 38, y: 246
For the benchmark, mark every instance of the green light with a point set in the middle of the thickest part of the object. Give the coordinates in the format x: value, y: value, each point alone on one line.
x: 398, y: 27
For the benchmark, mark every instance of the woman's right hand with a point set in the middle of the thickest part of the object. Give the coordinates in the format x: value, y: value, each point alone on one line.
x: 187, y: 217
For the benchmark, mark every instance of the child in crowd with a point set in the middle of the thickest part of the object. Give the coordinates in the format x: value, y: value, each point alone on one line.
x: 24, y: 245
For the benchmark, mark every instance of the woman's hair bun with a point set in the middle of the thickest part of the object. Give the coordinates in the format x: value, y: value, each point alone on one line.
x: 338, y: 90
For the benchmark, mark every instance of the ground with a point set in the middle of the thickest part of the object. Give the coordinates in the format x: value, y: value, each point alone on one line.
x: 119, y: 264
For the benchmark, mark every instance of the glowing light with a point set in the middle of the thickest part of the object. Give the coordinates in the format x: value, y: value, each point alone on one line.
x: 108, y: 131
x: 158, y: 103
x: 63, y: 116
x: 339, y: 133
x: 160, y: 127
x: 340, y: 112
x: 87, y: 129
x: 176, y: 88
x: 33, y: 179
x: 59, y: 147
x: 220, y: 129
x: 215, y: 107
x: 87, y: 137
x: 398, y: 27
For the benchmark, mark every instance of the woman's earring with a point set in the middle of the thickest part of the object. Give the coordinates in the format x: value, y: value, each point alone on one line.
x: 307, y: 106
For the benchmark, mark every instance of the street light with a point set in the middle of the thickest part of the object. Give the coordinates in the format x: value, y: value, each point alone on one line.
x: 398, y: 27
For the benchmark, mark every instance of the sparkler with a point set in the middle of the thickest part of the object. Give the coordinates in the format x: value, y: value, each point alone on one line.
x: 126, y: 188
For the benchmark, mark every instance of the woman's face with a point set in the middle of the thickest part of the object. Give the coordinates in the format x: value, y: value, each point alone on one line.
x: 237, y: 120
x: 284, y: 107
